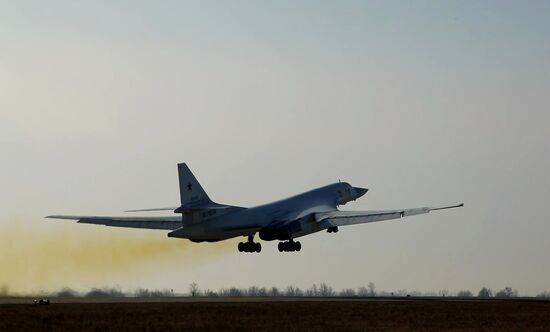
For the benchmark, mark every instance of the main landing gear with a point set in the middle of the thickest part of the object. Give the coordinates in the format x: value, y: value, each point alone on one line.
x: 289, y: 246
x: 250, y: 246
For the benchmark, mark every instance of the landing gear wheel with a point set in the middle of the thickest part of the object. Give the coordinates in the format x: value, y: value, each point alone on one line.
x: 292, y: 246
x: 249, y: 246
x: 289, y: 246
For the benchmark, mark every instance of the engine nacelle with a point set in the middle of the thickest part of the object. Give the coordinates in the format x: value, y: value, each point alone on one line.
x: 280, y: 233
x: 273, y: 233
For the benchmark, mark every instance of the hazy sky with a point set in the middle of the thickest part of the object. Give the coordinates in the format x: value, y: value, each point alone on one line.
x: 424, y: 103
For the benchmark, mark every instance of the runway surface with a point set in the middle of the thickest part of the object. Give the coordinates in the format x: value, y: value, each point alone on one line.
x: 304, y: 314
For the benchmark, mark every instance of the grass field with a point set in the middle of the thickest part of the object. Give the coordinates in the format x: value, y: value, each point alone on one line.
x: 377, y: 315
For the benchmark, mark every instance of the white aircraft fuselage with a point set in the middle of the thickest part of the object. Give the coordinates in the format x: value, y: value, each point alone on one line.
x: 270, y: 219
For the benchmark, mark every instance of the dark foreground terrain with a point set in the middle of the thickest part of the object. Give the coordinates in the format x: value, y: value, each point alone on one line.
x: 378, y: 315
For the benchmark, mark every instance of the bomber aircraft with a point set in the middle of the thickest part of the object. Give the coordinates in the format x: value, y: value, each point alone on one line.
x: 200, y: 219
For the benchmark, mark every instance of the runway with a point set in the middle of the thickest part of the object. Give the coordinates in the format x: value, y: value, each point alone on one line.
x: 317, y: 314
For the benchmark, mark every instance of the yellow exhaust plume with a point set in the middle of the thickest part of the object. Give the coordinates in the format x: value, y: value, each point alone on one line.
x: 41, y: 255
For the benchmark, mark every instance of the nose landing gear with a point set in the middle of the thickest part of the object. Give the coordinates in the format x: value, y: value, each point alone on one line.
x: 250, y: 246
x: 289, y: 246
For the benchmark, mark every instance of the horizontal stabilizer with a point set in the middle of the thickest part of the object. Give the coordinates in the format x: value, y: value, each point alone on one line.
x: 200, y: 207
x: 154, y: 209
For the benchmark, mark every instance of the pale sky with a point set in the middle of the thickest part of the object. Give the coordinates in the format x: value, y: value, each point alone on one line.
x: 425, y: 103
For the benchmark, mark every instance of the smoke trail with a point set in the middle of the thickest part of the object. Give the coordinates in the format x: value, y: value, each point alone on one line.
x: 38, y: 255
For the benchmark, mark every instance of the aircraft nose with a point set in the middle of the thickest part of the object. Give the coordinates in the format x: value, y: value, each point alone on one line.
x: 360, y: 191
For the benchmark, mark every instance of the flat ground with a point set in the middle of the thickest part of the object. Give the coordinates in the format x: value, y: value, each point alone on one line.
x: 271, y: 314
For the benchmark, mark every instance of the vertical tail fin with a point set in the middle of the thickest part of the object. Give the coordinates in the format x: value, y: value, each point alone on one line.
x: 191, y: 192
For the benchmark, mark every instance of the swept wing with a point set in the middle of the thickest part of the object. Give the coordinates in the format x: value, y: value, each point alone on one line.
x: 167, y: 223
x: 344, y: 218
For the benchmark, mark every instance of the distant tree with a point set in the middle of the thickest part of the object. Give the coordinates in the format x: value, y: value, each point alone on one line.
x: 401, y: 292
x: 106, y: 292
x: 507, y: 292
x: 194, y: 289
x: 544, y: 295
x: 274, y: 291
x: 347, y: 292
x: 443, y: 292
x: 315, y: 290
x: 234, y: 291
x: 293, y: 291
x: 464, y: 293
x: 252, y: 291
x: 363, y: 291
x: 162, y: 293
x: 142, y: 292
x: 485, y: 293
x: 210, y: 293
x: 372, y: 289
x: 290, y: 291
x: 262, y: 292
x: 325, y: 290
x: 66, y: 292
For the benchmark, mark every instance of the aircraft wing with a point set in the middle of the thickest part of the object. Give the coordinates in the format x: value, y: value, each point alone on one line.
x: 344, y: 218
x: 168, y: 223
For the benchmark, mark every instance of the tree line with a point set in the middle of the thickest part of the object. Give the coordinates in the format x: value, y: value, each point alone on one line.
x: 321, y: 290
